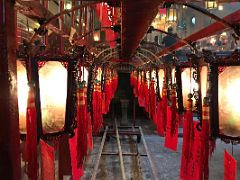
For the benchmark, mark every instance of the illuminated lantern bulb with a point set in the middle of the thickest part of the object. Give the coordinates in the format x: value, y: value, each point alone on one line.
x: 213, y: 41
x: 68, y: 6
x: 220, y: 7
x: 96, y: 36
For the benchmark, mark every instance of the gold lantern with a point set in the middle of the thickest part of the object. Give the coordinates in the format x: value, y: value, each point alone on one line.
x: 189, y: 85
x: 96, y: 36
x: 229, y: 101
x: 171, y: 15
x: 211, y: 4
x: 161, y: 78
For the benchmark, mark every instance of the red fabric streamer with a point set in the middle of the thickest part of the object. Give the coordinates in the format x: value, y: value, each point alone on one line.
x: 173, y: 111
x: 191, y: 165
x: 164, y: 108
x: 31, y: 137
x: 89, y: 135
x: 47, y: 166
x: 146, y: 96
x: 171, y: 140
x: 187, y: 140
x: 230, y: 167
x: 153, y: 102
x: 97, y: 108
x: 160, y: 128
x: 82, y: 146
x: 77, y: 171
x: 197, y: 166
x: 141, y: 98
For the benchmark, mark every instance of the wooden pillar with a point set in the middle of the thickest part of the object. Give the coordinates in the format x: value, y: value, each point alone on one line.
x: 9, y: 124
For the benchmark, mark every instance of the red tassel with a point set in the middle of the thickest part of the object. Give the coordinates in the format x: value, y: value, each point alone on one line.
x: 164, y: 108
x: 107, y: 95
x: 31, y: 137
x: 191, y: 165
x: 197, y: 165
x: 146, y: 96
x: 160, y: 128
x: 141, y: 97
x: 174, y: 111
x: 230, y: 167
x: 171, y: 140
x: 97, y: 110
x: 47, y: 159
x: 153, y: 102
x: 99, y: 94
x: 90, y: 140
x: 81, y: 126
x: 95, y: 98
x: 77, y: 171
x: 187, y: 140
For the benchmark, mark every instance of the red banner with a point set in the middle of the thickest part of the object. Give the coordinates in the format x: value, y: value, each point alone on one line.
x: 192, y: 156
x: 171, y: 140
x: 47, y: 165
x: 230, y: 167
x: 82, y: 142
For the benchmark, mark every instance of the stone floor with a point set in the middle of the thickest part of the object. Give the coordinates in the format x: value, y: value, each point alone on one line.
x: 166, y: 161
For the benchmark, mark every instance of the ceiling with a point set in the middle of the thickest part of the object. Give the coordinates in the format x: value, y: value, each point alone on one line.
x: 136, y: 17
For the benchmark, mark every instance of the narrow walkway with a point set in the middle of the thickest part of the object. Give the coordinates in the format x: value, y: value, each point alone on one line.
x: 166, y: 161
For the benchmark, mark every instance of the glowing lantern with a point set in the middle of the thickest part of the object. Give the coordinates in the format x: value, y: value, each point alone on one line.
x: 229, y: 101
x: 54, y: 95
x: 189, y: 85
x: 161, y: 78
x: 171, y: 15
x: 96, y: 36
x: 22, y: 95
x: 211, y: 4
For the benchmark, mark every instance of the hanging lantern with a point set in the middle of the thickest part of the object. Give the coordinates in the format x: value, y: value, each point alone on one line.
x: 211, y: 4
x: 54, y: 94
x: 189, y: 85
x: 96, y: 36
x: 229, y: 101
x: 161, y: 78
x: 171, y: 15
x: 224, y: 90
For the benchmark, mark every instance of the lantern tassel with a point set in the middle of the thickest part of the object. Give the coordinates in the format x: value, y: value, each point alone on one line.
x: 160, y: 128
x: 230, y: 167
x: 187, y: 140
x: 31, y: 137
x: 77, y: 171
x: 81, y: 126
x: 164, y: 108
x: 47, y: 159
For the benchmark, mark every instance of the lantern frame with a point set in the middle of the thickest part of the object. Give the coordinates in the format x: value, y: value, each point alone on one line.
x: 32, y: 71
x: 217, y: 60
